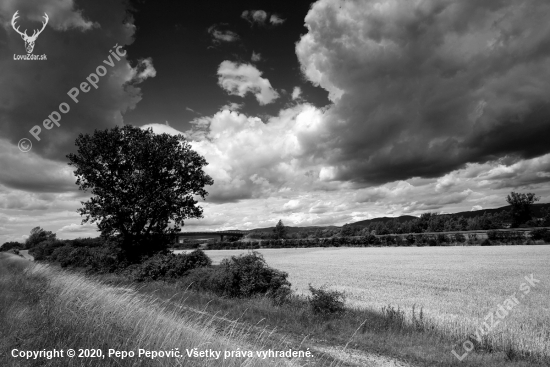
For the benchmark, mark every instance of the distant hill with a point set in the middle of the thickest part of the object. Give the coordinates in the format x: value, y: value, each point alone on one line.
x: 290, y: 229
x: 536, y: 209
x: 366, y: 222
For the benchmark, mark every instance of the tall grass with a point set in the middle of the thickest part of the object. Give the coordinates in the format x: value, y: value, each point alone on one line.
x: 45, y: 308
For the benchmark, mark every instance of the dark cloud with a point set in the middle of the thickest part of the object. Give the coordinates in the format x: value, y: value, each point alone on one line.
x: 77, y: 39
x: 422, y: 88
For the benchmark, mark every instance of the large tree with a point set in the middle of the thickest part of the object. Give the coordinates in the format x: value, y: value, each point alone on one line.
x: 521, y: 207
x: 143, y: 185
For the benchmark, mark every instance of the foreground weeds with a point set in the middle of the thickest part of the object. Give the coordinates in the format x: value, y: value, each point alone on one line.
x: 45, y: 308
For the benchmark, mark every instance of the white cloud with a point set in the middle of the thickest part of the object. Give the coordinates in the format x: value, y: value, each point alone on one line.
x: 256, y: 56
x: 232, y: 106
x: 162, y: 129
x: 296, y: 93
x: 239, y: 79
x: 79, y: 228
x: 254, y: 16
x: 275, y: 19
x: 143, y: 70
x: 219, y: 36
x: 260, y: 17
x: 292, y: 205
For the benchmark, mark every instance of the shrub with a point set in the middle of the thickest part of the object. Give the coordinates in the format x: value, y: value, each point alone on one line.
x: 487, y: 242
x: 540, y: 234
x: 170, y: 266
x: 44, y: 249
x: 241, y: 276
x: 460, y: 238
x: 326, y: 302
x: 11, y: 245
x: 62, y: 255
x: 492, y: 235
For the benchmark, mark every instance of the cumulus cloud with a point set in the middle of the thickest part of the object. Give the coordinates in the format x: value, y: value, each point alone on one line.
x: 422, y: 88
x: 219, y: 36
x: 240, y: 79
x: 249, y: 158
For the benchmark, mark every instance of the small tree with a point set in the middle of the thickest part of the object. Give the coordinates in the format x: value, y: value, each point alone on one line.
x: 38, y: 235
x: 280, y: 230
x: 143, y: 185
x: 521, y: 207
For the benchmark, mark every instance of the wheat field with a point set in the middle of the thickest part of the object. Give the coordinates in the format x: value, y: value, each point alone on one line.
x: 457, y: 287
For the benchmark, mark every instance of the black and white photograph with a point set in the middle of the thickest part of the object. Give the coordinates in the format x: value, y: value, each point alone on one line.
x: 331, y: 183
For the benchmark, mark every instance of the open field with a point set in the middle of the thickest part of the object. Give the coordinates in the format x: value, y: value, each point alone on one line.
x: 456, y: 286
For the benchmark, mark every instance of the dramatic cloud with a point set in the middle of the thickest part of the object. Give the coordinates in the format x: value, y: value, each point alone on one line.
x: 422, y: 88
x: 38, y: 188
x: 62, y: 14
x: 239, y: 79
x: 76, y: 41
x: 219, y: 36
x: 436, y: 106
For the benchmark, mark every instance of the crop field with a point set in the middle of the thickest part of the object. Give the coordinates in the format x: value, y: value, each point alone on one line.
x: 457, y: 287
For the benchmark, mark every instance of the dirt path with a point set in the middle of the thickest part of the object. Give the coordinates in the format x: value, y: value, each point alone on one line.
x: 25, y: 254
x: 324, y: 354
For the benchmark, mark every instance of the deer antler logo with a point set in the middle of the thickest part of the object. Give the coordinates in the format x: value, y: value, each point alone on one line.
x: 29, y: 40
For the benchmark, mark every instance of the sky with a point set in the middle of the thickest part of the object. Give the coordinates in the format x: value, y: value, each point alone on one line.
x: 314, y: 112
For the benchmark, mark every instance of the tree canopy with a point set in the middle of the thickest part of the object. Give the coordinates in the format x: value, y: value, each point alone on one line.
x: 142, y: 184
x: 280, y: 230
x: 521, y: 206
x: 38, y: 235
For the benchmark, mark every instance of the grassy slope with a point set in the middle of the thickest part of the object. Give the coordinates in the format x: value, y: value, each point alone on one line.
x: 44, y: 308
